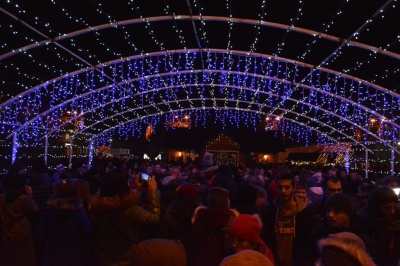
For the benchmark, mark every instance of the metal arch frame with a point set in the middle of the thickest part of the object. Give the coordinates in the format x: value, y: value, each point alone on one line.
x: 250, y: 102
x: 169, y: 73
x: 393, y: 94
x: 228, y: 108
x: 231, y: 86
x: 201, y: 18
x: 204, y: 50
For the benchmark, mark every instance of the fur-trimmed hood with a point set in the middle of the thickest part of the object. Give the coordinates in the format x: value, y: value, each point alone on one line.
x: 65, y: 204
x: 344, y: 243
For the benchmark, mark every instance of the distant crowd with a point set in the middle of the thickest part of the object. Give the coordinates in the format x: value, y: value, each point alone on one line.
x: 126, y: 212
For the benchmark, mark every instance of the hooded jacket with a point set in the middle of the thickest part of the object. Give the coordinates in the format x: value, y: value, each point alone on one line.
x: 344, y: 249
x: 285, y: 233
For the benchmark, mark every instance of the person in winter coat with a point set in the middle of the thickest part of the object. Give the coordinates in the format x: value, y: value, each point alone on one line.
x: 64, y: 228
x: 211, y: 240
x: 381, y: 218
x: 17, y: 208
x: 344, y: 249
x: 119, y: 222
x: 245, y: 232
x: 176, y: 222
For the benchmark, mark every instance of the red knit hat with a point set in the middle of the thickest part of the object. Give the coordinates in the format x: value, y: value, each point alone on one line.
x: 187, y: 191
x: 247, y: 227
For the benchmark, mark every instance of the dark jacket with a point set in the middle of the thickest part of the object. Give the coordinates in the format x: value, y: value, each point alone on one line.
x: 211, y: 235
x: 16, y: 247
x: 176, y: 222
x: 119, y: 224
x: 386, y: 235
x: 65, y: 230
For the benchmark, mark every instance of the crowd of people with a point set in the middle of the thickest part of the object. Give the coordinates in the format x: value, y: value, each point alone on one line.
x: 143, y: 213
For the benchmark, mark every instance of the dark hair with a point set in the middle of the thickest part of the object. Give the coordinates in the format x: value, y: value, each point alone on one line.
x: 286, y: 175
x: 65, y: 188
x: 325, y: 181
x: 389, y: 179
x: 114, y: 184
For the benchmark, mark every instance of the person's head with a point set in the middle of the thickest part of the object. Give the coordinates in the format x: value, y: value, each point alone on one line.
x: 157, y: 168
x: 343, y: 248
x: 343, y: 173
x: 331, y: 173
x: 391, y: 181
x: 245, y: 232
x: 208, y: 160
x: 149, y: 169
x: 331, y: 186
x: 246, y: 195
x: 339, y: 211
x: 353, y: 175
x: 285, y: 185
x: 301, y: 192
x: 175, y: 172
x: 65, y: 188
x: 114, y: 184
x: 187, y: 191
x: 218, y: 198
x: 382, y: 202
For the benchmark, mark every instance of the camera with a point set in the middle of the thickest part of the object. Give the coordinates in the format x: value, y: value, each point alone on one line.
x: 144, y: 176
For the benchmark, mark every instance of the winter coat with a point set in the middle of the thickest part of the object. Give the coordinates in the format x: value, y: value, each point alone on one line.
x: 16, y: 247
x: 65, y: 230
x: 386, y: 235
x: 119, y: 224
x: 211, y: 235
x: 320, y: 231
x: 176, y: 222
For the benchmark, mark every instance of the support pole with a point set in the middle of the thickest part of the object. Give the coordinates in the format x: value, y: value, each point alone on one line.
x: 14, y: 148
x: 70, y: 153
x: 392, y: 162
x: 46, y: 144
x: 366, y: 163
x: 90, y: 153
x: 347, y: 164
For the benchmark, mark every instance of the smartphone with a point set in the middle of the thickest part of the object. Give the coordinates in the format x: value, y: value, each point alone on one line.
x: 145, y: 176
x: 397, y: 191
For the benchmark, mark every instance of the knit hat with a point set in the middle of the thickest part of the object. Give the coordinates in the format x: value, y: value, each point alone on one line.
x: 341, y: 202
x: 60, y: 167
x: 382, y: 196
x: 247, y: 227
x: 218, y: 198
x: 207, y: 160
x: 187, y: 191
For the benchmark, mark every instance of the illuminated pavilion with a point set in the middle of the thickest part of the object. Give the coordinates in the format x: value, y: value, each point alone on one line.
x: 326, y: 72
